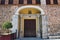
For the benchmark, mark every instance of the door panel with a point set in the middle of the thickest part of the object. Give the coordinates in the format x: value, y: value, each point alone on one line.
x: 29, y: 27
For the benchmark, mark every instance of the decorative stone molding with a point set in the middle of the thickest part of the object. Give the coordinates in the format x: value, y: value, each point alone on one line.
x: 44, y: 27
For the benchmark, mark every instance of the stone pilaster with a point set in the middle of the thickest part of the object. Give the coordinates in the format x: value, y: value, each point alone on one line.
x: 21, y: 27
x: 43, y: 2
x: 44, y: 27
x: 51, y: 1
x: 0, y: 1
x: 15, y: 1
x: 15, y: 24
x: 58, y: 2
x: 38, y: 32
x: 25, y: 1
x: 33, y: 1
x: 6, y: 1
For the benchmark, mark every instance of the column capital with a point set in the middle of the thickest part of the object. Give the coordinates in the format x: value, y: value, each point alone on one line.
x: 21, y: 15
x: 38, y: 15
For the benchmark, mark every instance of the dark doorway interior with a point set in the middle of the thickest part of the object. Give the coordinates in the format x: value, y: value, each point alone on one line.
x: 29, y: 27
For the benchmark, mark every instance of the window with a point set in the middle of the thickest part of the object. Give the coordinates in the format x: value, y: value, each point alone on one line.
x: 55, y: 1
x: 48, y: 2
x: 37, y: 1
x: 29, y: 1
x: 10, y: 1
x: 20, y: 1
x: 2, y: 1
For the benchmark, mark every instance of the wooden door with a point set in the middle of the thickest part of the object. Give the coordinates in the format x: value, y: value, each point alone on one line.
x: 29, y: 27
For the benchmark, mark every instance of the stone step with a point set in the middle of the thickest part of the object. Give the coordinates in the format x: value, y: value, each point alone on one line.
x: 34, y: 39
x: 28, y: 39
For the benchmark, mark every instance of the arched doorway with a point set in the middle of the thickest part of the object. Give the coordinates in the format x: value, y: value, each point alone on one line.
x: 29, y: 18
x: 34, y: 15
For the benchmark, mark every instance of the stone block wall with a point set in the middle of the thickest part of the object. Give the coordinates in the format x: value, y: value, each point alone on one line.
x: 51, y: 11
x: 6, y: 13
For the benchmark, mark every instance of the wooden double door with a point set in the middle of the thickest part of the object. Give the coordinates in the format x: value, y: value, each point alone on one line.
x: 29, y: 27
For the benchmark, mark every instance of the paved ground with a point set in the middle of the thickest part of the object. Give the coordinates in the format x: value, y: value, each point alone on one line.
x: 29, y: 39
x: 34, y: 39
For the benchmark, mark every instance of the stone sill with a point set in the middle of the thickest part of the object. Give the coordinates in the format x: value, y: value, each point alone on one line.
x: 6, y: 33
x: 54, y: 37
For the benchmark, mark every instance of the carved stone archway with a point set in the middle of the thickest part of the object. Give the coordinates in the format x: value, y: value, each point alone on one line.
x: 16, y: 16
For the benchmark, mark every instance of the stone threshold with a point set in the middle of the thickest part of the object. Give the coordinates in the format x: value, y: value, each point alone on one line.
x: 35, y: 39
